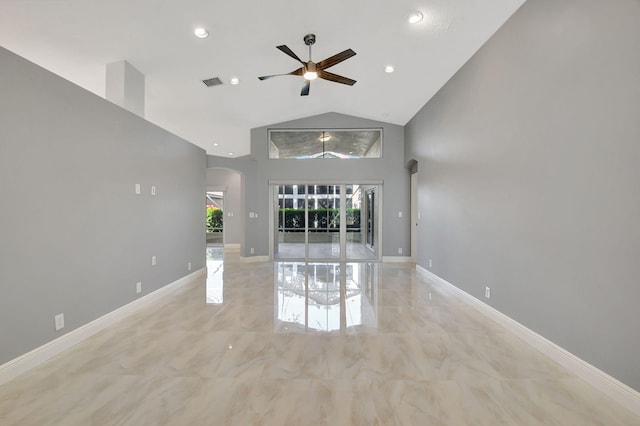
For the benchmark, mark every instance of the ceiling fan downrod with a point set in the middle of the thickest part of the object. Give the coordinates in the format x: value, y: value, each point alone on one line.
x: 309, y: 40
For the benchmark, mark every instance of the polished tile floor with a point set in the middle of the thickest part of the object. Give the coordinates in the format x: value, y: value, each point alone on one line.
x: 305, y: 344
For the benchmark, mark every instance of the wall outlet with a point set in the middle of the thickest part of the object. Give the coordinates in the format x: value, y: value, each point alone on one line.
x: 59, y: 321
x: 189, y: 266
x: 153, y: 261
x: 430, y: 263
x: 487, y: 292
x: 137, y: 189
x: 251, y: 250
x: 399, y: 250
x: 138, y: 288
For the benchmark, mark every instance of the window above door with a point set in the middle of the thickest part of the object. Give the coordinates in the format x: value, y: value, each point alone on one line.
x: 328, y: 143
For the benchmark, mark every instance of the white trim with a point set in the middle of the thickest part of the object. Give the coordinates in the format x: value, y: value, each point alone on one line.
x: 39, y: 355
x: 254, y: 259
x: 397, y: 259
x: 610, y: 386
x: 232, y: 246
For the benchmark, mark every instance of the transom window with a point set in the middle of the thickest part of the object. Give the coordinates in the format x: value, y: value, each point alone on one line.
x: 340, y: 143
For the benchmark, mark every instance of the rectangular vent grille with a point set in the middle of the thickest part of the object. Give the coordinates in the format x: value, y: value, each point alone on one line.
x: 212, y: 82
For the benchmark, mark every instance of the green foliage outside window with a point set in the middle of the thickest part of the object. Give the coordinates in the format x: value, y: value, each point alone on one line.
x: 326, y: 220
x: 214, y: 219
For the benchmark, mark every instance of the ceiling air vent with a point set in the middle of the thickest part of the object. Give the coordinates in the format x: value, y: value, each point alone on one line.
x: 212, y: 82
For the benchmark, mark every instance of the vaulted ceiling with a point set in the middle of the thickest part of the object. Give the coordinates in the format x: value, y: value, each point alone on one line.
x: 77, y: 38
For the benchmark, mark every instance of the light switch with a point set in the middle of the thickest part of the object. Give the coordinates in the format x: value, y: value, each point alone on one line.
x: 137, y: 189
x: 59, y: 321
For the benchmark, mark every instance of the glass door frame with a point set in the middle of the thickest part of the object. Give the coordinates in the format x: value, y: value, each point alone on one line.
x: 273, y: 214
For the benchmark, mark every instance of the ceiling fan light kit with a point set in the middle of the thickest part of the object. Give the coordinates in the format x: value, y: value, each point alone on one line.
x: 311, y: 70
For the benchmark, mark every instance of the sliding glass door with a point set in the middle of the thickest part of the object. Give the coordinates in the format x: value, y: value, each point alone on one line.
x: 325, y: 221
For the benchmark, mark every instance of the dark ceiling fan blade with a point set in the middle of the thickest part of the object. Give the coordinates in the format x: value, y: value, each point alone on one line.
x: 326, y: 75
x: 335, y: 59
x: 289, y: 52
x: 299, y: 71
x: 305, y: 88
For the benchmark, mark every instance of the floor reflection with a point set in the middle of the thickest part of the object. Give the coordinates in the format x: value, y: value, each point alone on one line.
x: 325, y: 297
x: 215, y: 269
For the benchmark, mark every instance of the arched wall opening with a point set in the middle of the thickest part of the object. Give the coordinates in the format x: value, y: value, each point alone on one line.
x: 229, y: 183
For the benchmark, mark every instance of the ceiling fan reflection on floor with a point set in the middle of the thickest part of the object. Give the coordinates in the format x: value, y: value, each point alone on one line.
x: 311, y: 70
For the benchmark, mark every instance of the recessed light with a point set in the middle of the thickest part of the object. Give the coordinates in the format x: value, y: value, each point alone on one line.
x: 415, y: 17
x: 201, y: 33
x: 234, y: 81
x: 231, y: 154
x: 216, y: 144
x: 388, y: 69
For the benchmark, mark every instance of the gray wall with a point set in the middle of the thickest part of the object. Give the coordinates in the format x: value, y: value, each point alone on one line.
x: 74, y: 237
x: 259, y: 170
x: 231, y: 181
x: 529, y: 174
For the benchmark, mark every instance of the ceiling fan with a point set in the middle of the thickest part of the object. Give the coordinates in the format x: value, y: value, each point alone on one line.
x: 311, y: 70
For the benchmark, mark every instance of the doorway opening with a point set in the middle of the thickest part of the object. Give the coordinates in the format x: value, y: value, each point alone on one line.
x: 415, y: 216
x: 215, y: 218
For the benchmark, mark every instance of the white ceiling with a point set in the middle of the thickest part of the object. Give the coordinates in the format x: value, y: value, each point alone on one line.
x: 77, y: 38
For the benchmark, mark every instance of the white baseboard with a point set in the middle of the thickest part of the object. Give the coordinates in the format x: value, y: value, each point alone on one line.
x: 254, y: 259
x: 610, y: 386
x: 39, y: 355
x: 232, y: 246
x: 397, y: 259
